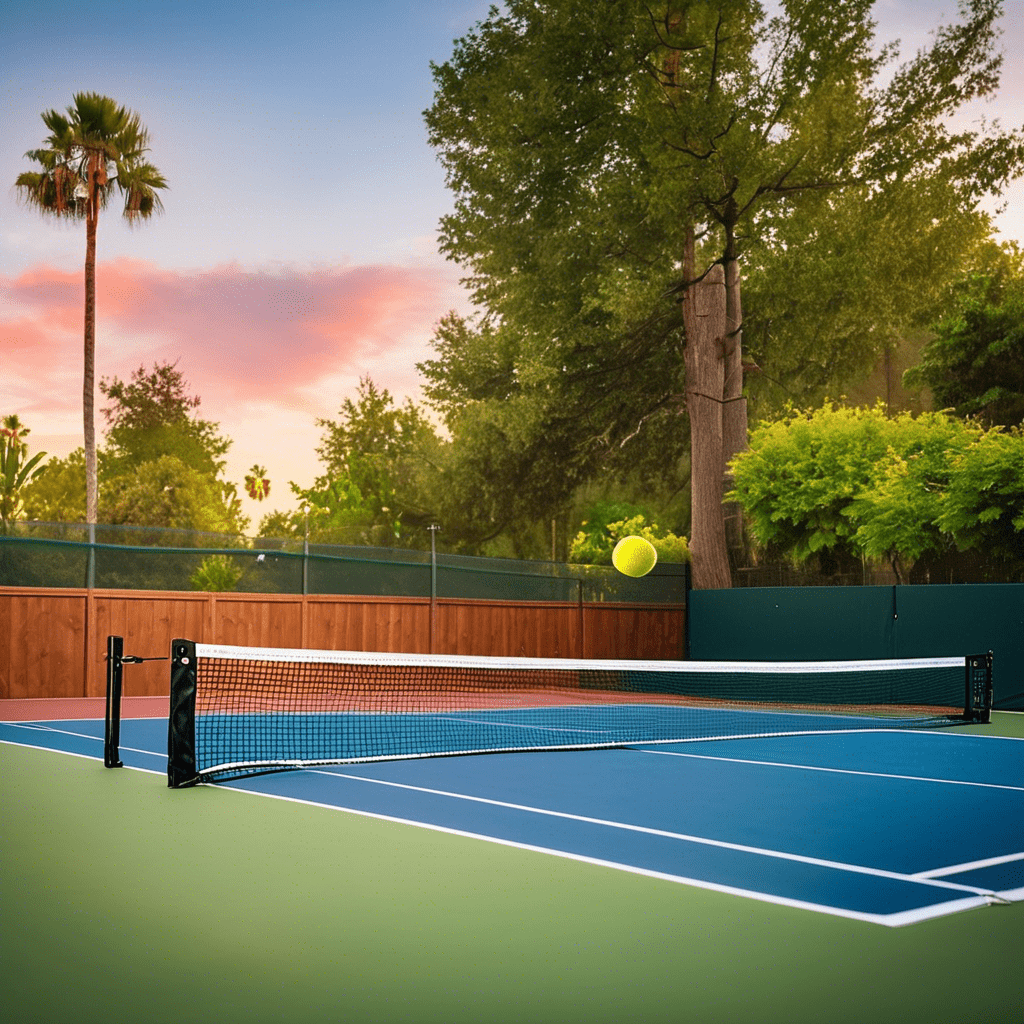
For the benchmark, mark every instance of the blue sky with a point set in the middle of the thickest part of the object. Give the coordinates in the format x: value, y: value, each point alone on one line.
x: 289, y: 131
x: 297, y: 251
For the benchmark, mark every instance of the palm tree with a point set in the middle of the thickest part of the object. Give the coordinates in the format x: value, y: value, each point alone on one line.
x: 97, y: 146
x: 16, y: 469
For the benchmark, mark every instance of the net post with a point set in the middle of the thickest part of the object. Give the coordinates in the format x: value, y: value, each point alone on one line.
x: 112, y: 717
x: 181, y: 724
x: 978, y: 693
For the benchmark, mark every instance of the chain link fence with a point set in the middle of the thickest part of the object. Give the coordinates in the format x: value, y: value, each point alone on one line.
x: 74, y: 555
x: 951, y: 568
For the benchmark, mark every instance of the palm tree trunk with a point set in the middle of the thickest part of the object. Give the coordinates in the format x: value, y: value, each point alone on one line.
x: 89, y: 372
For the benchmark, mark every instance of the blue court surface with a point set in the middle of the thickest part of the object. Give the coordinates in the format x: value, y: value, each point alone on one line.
x: 890, y: 827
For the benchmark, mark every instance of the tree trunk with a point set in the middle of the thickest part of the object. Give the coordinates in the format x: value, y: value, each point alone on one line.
x: 89, y: 370
x: 734, y: 408
x: 705, y: 322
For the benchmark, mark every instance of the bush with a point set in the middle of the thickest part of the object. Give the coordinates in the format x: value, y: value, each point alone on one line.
x: 593, y: 548
x: 216, y: 574
x: 855, y: 484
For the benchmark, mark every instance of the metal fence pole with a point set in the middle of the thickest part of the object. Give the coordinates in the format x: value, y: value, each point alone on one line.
x: 433, y: 584
x: 305, y: 556
x: 90, y: 565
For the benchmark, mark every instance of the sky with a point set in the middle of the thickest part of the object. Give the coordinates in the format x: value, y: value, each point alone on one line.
x: 297, y: 251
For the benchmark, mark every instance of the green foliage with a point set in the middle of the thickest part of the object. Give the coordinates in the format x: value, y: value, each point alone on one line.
x: 975, y: 362
x: 599, y: 519
x: 99, y: 146
x: 281, y: 524
x: 337, y: 513
x: 168, y: 492
x: 830, y: 286
x: 983, y: 506
x: 217, y: 573
x: 162, y: 466
x: 57, y: 495
x: 17, y: 469
x: 153, y: 415
x: 801, y: 473
x: 897, y: 513
x: 382, y: 477
x: 164, y: 491
x: 593, y: 547
x: 853, y: 483
x: 582, y: 144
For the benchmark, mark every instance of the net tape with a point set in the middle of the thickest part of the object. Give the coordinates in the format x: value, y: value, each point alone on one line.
x: 683, y: 668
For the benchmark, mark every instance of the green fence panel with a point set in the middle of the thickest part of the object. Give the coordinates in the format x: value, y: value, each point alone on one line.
x: 792, y: 624
x: 27, y: 562
x: 367, y: 577
x: 937, y: 621
x: 851, y: 623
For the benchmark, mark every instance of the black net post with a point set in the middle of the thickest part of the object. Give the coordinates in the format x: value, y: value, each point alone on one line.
x: 181, y: 726
x: 112, y: 719
x: 978, y: 686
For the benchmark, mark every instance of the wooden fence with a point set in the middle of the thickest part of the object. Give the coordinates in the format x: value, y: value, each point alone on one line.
x: 53, y: 642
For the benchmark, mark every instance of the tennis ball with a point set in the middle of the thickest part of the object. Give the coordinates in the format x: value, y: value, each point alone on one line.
x: 634, y: 556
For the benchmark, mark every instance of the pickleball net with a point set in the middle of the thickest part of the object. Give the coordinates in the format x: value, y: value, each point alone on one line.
x: 240, y: 710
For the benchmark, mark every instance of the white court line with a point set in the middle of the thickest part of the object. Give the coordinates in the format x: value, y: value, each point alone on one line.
x: 838, y: 771
x: 683, y: 837
x: 974, y: 865
x: 939, y: 733
x: 895, y: 920
x: 84, y: 757
x: 81, y: 735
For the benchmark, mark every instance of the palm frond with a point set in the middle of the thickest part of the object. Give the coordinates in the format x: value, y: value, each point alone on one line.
x: 96, y: 147
x: 139, y: 183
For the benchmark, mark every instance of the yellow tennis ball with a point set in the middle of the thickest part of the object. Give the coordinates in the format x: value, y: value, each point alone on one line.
x: 634, y: 556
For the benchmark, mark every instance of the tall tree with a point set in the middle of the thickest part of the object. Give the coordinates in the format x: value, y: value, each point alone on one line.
x: 97, y: 147
x: 155, y: 438
x: 158, y: 451
x: 391, y: 455
x: 589, y: 145
x: 381, y: 483
x: 153, y: 414
x: 974, y: 363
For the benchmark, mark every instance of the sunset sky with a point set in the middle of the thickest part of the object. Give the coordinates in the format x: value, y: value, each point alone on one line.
x: 297, y: 251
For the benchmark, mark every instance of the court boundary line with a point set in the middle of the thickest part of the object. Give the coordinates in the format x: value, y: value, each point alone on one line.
x: 667, y: 834
x: 84, y: 757
x: 975, y: 865
x: 898, y: 919
x: 838, y: 771
x: 895, y: 920
x: 39, y: 727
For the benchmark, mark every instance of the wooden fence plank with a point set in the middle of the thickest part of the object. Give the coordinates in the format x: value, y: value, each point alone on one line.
x: 46, y: 650
x: 45, y: 639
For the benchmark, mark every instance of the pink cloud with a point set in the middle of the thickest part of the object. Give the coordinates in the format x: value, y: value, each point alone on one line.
x: 238, y: 334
